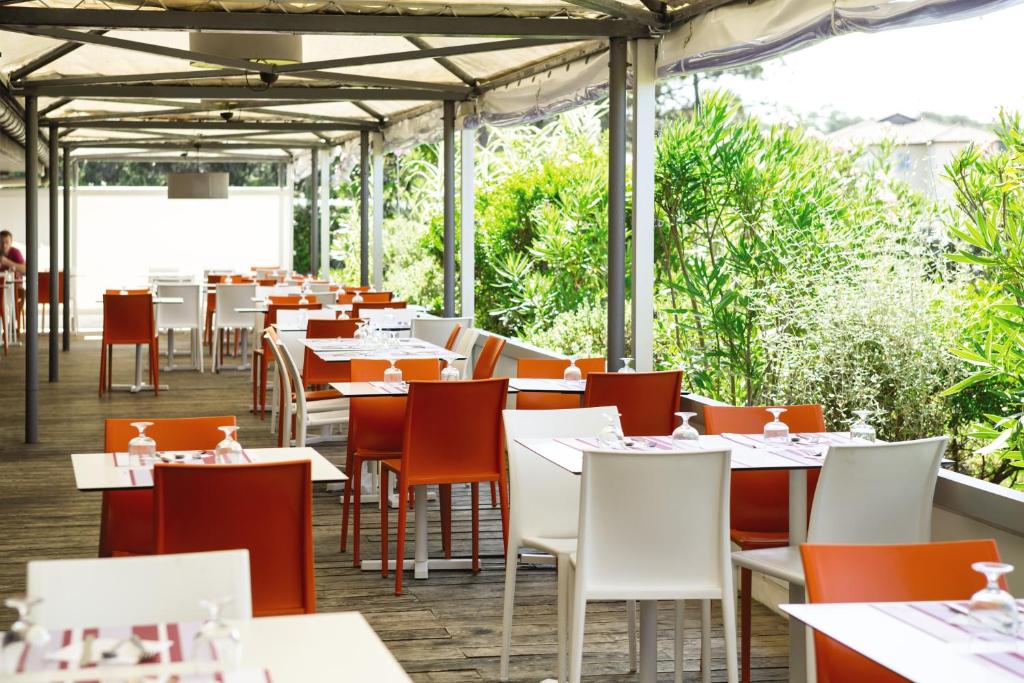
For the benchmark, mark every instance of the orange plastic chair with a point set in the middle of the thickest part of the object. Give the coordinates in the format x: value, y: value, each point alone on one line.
x: 551, y: 368
x: 128, y: 319
x: 886, y: 573
x: 439, y: 450
x: 484, y: 367
x: 375, y: 433
x: 316, y: 371
x: 759, y: 501
x: 126, y: 518
x: 284, y: 299
x: 375, y: 306
x: 266, y: 282
x: 453, y: 337
x: 341, y: 328
x: 647, y: 401
x: 44, y: 290
x: 127, y: 292
x: 376, y: 297
x: 265, y: 508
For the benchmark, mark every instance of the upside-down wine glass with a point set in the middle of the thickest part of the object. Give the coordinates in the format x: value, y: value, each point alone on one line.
x: 626, y: 365
x: 23, y: 630
x: 141, y: 446
x: 992, y: 607
x: 685, y: 434
x: 611, y: 434
x: 776, y: 431
x: 216, y: 640
x: 393, y: 373
x: 357, y: 298
x: 572, y: 373
x: 860, y: 429
x: 228, y: 450
x: 450, y: 373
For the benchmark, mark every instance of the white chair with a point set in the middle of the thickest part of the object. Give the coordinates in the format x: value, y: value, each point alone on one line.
x: 320, y: 287
x: 124, y: 591
x: 187, y: 315
x: 321, y: 415
x: 297, y: 318
x: 225, y: 318
x: 654, y: 526
x: 325, y: 298
x: 464, y: 346
x: 544, y: 509
x: 871, y: 494
x: 437, y: 330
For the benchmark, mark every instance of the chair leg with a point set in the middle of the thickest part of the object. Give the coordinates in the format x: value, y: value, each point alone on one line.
x: 110, y: 367
x: 578, y: 617
x: 154, y: 364
x: 494, y: 496
x: 476, y: 527
x: 403, y: 510
x: 445, y: 496
x: 346, y: 501
x: 357, y: 486
x: 729, y: 631
x: 383, y: 501
x: 746, y: 586
x: 705, y: 641
x: 103, y: 368
x: 564, y: 588
x: 264, y: 369
x: 506, y: 617
x: 679, y: 637
x: 631, y: 634
x: 503, y: 491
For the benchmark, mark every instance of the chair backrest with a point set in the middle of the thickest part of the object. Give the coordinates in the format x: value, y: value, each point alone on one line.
x: 488, y: 358
x: 544, y: 500
x: 325, y: 298
x: 760, y: 500
x: 437, y: 330
x: 230, y: 297
x: 123, y: 591
x: 376, y: 297
x: 551, y: 368
x: 654, y: 523
x: 320, y: 287
x: 877, y: 493
x: 646, y: 401
x: 464, y: 347
x: 170, y: 434
x: 290, y: 316
x: 284, y: 299
x: 128, y: 319
x: 273, y: 342
x: 44, y: 287
x: 265, y: 508
x: 886, y: 573
x: 376, y: 305
x: 187, y: 314
x: 437, y: 447
x: 129, y: 292
x: 285, y: 362
x: 376, y: 423
x: 341, y: 328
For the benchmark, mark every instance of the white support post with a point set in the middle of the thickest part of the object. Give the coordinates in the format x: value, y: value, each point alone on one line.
x: 467, y: 199
x: 325, y: 215
x: 285, y: 215
x: 75, y: 231
x: 644, y: 79
x: 377, y: 192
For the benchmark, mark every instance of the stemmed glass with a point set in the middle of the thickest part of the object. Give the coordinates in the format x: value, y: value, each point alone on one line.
x: 216, y: 639
x: 626, y: 365
x: 142, y: 447
x: 611, y: 433
x: 228, y: 450
x: 358, y: 298
x: 860, y: 429
x: 393, y: 374
x: 450, y: 373
x: 572, y: 373
x: 361, y: 333
x: 23, y: 630
x: 776, y: 431
x: 992, y: 607
x: 685, y: 434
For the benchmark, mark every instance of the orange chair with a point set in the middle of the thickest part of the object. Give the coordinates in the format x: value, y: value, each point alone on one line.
x: 886, y: 573
x: 376, y: 297
x: 44, y: 290
x: 284, y: 299
x: 266, y: 282
x: 316, y: 371
x: 453, y: 337
x: 439, y: 450
x: 262, y: 355
x: 375, y: 433
x: 128, y: 319
x: 266, y: 508
x: 647, y: 401
x: 341, y: 328
x: 551, y: 368
x: 126, y: 518
x: 375, y: 306
x: 211, y: 307
x: 489, y: 355
x: 759, y: 501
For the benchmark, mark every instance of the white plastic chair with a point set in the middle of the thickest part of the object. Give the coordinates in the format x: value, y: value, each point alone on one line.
x: 325, y: 298
x: 125, y: 591
x: 654, y: 525
x: 464, y: 346
x: 225, y: 317
x: 320, y: 287
x: 544, y: 509
x: 185, y: 316
x: 437, y: 330
x: 870, y: 494
x: 322, y: 414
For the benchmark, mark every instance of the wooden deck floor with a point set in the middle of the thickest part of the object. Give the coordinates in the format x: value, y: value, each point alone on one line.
x: 446, y: 628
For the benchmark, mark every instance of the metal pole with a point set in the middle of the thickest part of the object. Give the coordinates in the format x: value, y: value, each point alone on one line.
x: 66, y: 307
x: 467, y: 262
x: 54, y: 178
x: 378, y: 210
x: 644, y: 83
x: 364, y: 208
x: 449, y: 208
x: 314, y: 176
x: 32, y: 270
x: 616, y: 201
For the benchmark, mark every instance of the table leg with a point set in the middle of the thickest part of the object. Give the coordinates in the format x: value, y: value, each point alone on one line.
x: 648, y: 641
x: 170, y: 348
x: 797, y: 535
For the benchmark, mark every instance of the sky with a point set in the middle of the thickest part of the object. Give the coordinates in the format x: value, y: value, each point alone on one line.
x: 969, y: 67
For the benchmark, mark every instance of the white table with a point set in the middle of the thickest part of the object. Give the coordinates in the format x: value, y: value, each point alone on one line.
x: 568, y: 455
x: 307, y: 648
x: 344, y: 350
x: 374, y: 389
x: 899, y: 646
x: 97, y: 471
x: 546, y: 385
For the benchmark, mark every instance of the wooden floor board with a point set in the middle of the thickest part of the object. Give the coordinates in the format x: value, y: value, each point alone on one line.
x: 443, y: 630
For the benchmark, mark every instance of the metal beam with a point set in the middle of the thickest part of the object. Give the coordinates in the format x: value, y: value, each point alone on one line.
x: 47, y: 58
x: 195, y: 74
x: 53, y: 175
x: 616, y: 202
x: 449, y: 208
x: 369, y: 110
x: 66, y: 307
x: 220, y: 93
x: 445, y: 63
x: 373, y: 125
x: 195, y: 145
x: 279, y: 126
x: 53, y: 106
x: 31, y: 271
x: 584, y: 52
x: 313, y: 23
x: 620, y: 10
x: 151, y: 159
x: 199, y: 109
x: 656, y: 6
x: 364, y: 208
x: 314, y: 229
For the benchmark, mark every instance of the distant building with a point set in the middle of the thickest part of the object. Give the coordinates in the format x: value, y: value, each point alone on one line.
x: 921, y: 147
